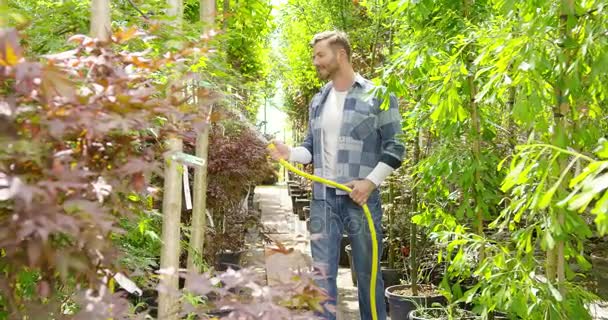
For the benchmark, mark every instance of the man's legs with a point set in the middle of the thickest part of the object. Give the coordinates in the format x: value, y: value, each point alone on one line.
x: 357, y: 228
x: 326, y: 233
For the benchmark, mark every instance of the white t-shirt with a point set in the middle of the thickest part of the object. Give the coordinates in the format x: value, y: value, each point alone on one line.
x: 331, y: 122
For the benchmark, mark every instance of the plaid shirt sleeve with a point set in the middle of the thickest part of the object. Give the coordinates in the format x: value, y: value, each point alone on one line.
x: 389, y: 123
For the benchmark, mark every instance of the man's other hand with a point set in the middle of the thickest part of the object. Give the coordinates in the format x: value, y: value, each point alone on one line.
x: 361, y: 190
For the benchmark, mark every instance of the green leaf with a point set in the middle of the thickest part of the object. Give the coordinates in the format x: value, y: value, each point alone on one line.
x: 520, y: 305
x: 601, y: 222
x: 601, y: 210
x: 590, y: 190
x: 591, y: 168
x: 556, y: 294
x: 602, y: 150
x: 463, y: 69
x: 546, y: 199
x: 548, y: 242
x: 582, y: 262
x: 513, y: 176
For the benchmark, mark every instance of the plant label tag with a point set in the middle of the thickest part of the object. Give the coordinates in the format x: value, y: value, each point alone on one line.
x: 187, y: 159
x: 187, y: 189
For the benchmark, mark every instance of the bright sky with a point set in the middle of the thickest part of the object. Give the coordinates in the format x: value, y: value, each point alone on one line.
x: 277, y: 119
x: 277, y: 122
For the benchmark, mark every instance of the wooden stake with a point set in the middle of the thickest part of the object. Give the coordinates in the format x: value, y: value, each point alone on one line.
x: 168, y: 305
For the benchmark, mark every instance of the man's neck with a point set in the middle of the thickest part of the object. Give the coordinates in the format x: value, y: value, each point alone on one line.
x: 344, y: 79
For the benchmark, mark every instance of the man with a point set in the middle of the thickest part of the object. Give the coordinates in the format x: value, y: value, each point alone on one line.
x: 352, y: 141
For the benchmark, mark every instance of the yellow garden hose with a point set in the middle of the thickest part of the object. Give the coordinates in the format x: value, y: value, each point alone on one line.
x: 370, y: 223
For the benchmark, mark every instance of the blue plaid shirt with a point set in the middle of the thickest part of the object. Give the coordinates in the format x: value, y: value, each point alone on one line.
x: 368, y: 135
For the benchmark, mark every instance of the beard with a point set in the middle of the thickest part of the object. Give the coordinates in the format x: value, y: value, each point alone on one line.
x: 327, y: 72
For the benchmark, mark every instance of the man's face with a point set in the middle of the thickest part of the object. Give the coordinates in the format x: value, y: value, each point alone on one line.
x: 325, y: 59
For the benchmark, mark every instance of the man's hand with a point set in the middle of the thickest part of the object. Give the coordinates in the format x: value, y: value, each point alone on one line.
x: 361, y: 190
x: 280, y: 151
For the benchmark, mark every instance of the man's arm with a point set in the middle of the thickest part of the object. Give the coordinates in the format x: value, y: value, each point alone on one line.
x: 300, y: 155
x: 393, y: 150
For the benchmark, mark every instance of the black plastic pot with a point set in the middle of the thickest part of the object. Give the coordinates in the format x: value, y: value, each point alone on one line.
x: 496, y: 315
x: 226, y: 259
x: 441, y: 314
x: 391, y: 277
x: 353, y: 275
x: 218, y: 314
x: 599, y: 270
x: 400, y: 306
x: 344, y: 259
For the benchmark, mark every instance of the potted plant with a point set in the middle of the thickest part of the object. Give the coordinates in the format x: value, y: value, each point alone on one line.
x: 404, y: 298
x: 227, y: 241
x: 392, y: 274
x: 448, y: 313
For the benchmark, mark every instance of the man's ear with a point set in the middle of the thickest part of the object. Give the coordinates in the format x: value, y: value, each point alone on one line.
x: 342, y: 52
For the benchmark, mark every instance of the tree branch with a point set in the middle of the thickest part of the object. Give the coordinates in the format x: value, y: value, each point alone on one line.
x: 137, y: 9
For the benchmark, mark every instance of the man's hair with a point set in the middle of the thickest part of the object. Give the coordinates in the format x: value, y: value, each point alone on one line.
x: 336, y: 39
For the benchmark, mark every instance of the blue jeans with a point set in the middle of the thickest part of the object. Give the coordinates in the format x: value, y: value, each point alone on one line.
x: 329, y: 218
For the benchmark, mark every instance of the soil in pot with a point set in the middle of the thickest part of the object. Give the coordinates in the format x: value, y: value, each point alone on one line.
x: 441, y: 314
x: 402, y: 302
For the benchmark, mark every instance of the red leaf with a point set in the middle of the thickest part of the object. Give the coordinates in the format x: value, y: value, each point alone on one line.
x: 79, y: 38
x: 139, y: 182
x: 10, y: 51
x: 26, y: 75
x: 61, y: 55
x: 44, y: 289
x: 55, y: 83
x: 124, y: 35
x: 34, y: 252
x: 86, y: 206
x: 134, y: 166
x: 405, y: 251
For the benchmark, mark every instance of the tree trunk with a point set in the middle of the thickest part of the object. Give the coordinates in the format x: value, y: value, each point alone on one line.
x: 475, y: 132
x: 199, y: 209
x: 168, y: 302
x: 511, y: 127
x: 561, y: 111
x: 225, y: 12
x: 391, y: 232
x: 207, y: 14
x: 100, y: 20
x: 168, y: 305
x: 176, y: 11
x: 413, y: 226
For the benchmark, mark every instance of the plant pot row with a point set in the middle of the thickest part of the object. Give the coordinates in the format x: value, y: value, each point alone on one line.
x: 403, y: 306
x: 300, y: 200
